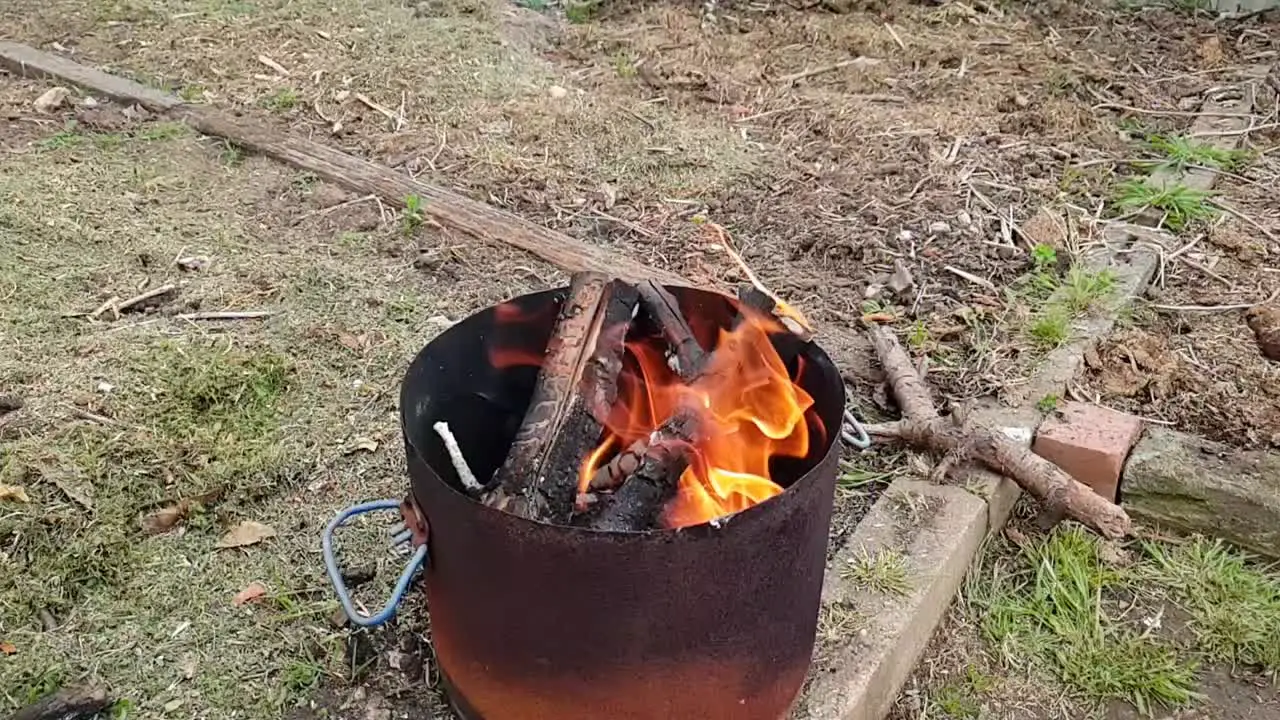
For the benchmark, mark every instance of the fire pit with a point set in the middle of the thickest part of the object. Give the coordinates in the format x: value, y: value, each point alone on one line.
x: 659, y: 553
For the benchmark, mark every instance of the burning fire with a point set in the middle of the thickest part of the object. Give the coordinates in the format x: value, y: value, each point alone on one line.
x: 748, y: 409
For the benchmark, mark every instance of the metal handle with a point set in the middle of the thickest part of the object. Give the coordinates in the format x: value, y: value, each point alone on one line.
x: 852, y: 432
x: 335, y: 575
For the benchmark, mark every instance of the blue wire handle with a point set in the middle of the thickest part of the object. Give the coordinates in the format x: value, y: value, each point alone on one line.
x: 335, y: 575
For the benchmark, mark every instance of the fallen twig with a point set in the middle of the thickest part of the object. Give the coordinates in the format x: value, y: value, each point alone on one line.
x: 332, y: 208
x: 105, y: 306
x: 860, y: 61
x: 467, y: 477
x: 226, y: 315
x: 70, y: 703
x: 1230, y: 210
x: 799, y: 324
x: 396, y: 120
x: 143, y: 297
x: 959, y: 441
x: 273, y: 65
x: 1215, y: 308
x: 894, y: 34
x: 971, y: 277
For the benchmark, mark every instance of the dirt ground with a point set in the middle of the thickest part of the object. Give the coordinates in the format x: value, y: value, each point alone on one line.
x: 941, y: 164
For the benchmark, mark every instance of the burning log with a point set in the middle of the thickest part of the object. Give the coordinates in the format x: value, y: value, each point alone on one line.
x: 645, y: 490
x: 645, y: 475
x: 664, y: 310
x: 957, y: 441
x: 575, y: 388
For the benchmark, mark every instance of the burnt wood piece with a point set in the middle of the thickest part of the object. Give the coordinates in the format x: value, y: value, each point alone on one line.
x: 664, y: 310
x: 69, y: 703
x: 539, y: 477
x: 637, y: 504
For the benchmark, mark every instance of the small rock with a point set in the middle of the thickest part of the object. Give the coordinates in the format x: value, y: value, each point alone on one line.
x: 872, y: 291
x: 556, y: 92
x: 89, y: 102
x: 195, y: 263
x: 901, y: 281
x: 906, y: 235
x: 1021, y: 101
x: 965, y: 219
x: 939, y: 228
x: 52, y: 99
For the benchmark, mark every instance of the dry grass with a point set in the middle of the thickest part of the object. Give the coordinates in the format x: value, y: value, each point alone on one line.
x: 259, y: 418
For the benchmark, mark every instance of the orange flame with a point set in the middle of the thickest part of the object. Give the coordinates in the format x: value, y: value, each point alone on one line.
x: 749, y: 411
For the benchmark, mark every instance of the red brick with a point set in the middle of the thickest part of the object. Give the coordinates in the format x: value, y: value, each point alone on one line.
x: 1090, y: 443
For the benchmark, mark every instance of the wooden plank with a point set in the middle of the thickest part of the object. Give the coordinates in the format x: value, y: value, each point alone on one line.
x: 450, y: 209
x: 847, y: 347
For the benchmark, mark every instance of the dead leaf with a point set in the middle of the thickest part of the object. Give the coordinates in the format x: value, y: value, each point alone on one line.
x: 362, y: 443
x: 52, y: 99
x: 251, y: 592
x: 355, y: 343
x: 164, y: 519
x: 246, y: 533
x: 14, y: 493
x: 82, y: 493
x: 8, y: 648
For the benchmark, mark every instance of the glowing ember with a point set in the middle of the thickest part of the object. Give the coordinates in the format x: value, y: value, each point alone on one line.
x: 749, y: 410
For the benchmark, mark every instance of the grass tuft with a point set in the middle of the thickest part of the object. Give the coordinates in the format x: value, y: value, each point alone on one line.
x: 884, y: 571
x: 1235, y: 608
x: 1180, y: 205
x: 1052, y: 610
x: 1179, y: 151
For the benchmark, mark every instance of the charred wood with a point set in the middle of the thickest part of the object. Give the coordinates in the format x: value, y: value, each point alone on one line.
x: 575, y: 387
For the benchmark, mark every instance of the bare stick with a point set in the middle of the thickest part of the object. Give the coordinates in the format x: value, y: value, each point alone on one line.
x: 971, y: 277
x: 859, y: 61
x: 467, y: 477
x: 226, y: 315
x: 908, y: 387
x: 1043, y: 480
x: 792, y: 318
x: 154, y: 292
x: 1230, y: 210
x: 957, y: 441
x: 1215, y: 308
x: 105, y: 306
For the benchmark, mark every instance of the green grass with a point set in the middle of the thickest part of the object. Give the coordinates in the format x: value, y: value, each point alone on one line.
x: 1051, y: 327
x: 1050, y: 609
x: 414, y: 216
x: 883, y: 571
x: 204, y: 420
x: 281, y: 100
x: 1180, y: 205
x: 1178, y: 152
x: 1234, y: 606
x: 959, y: 698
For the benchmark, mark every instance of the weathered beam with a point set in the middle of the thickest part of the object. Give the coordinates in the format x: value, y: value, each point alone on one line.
x: 1194, y: 485
x: 847, y: 347
x: 448, y: 208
